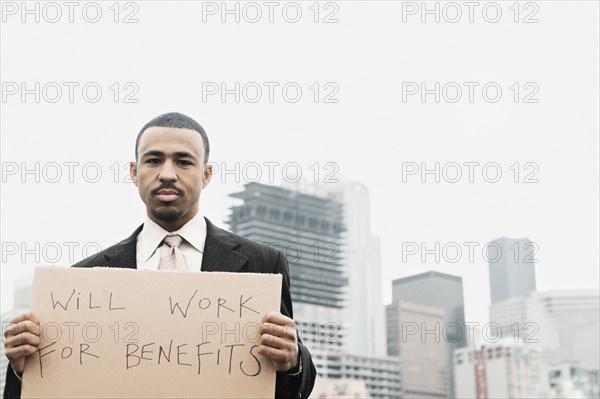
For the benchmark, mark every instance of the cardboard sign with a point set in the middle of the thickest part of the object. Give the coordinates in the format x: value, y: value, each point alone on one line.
x: 122, y: 333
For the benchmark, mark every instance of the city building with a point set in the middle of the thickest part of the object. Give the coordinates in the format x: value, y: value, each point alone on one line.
x: 503, y: 370
x: 523, y: 319
x: 443, y: 291
x: 415, y: 334
x: 573, y: 381
x: 575, y: 311
x: 512, y: 268
x: 339, y: 389
x: 308, y: 229
x: 336, y: 279
x: 345, y: 371
x: 564, y: 325
x: 366, y: 316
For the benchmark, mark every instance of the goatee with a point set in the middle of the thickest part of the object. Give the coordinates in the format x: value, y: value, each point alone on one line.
x: 167, y: 215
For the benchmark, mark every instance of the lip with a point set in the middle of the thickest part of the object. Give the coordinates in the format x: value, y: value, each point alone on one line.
x: 167, y: 192
x: 167, y: 195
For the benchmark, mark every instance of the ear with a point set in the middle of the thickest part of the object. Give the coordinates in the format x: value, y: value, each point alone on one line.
x: 207, y: 174
x: 133, y: 172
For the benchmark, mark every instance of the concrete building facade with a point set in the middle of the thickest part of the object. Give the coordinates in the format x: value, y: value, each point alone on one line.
x: 512, y: 268
x: 415, y: 336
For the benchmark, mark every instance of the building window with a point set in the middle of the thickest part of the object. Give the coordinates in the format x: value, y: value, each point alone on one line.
x: 274, y: 214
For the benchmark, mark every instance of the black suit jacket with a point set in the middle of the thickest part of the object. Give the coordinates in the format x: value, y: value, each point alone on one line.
x: 223, y: 252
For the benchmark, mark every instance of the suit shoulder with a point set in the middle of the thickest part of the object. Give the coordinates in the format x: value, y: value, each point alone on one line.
x: 123, y: 252
x: 98, y: 259
x: 254, y: 251
x: 256, y: 248
x: 234, y: 240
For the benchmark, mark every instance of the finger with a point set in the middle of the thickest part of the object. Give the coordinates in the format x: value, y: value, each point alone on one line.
x: 21, y: 327
x: 277, y: 342
x: 23, y: 317
x: 287, y: 332
x: 276, y: 318
x: 25, y: 338
x: 20, y: 352
x: 276, y: 355
x: 270, y: 328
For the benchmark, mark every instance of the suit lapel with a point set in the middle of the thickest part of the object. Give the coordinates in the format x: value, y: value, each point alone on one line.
x: 220, y: 254
x: 124, y: 253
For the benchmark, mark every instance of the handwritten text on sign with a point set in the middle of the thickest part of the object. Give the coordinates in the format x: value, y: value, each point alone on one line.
x: 110, y: 332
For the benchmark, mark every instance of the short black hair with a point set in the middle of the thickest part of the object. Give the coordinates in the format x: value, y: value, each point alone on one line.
x: 177, y: 121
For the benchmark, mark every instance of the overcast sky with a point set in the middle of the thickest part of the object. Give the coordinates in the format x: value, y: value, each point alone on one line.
x: 369, y: 122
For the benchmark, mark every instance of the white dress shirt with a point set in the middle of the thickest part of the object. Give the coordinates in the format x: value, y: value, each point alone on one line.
x: 192, y: 246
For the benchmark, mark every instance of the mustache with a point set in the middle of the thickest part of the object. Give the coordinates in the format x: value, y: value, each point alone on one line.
x: 167, y: 186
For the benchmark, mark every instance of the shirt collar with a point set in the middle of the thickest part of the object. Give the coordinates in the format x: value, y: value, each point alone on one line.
x: 194, y: 232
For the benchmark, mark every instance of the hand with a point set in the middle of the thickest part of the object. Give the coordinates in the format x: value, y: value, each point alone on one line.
x: 22, y: 339
x: 278, y: 341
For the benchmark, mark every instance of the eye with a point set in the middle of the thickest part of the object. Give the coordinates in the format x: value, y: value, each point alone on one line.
x: 153, y: 161
x: 183, y: 162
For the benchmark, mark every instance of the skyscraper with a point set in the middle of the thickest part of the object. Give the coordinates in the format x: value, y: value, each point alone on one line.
x: 442, y: 291
x: 308, y: 229
x: 362, y: 262
x: 414, y: 333
x: 512, y: 268
x: 435, y: 289
x: 314, y: 225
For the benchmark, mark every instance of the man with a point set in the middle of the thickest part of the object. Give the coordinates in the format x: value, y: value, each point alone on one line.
x: 170, y: 172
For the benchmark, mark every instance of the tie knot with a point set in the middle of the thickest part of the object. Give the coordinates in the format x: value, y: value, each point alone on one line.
x: 173, y: 240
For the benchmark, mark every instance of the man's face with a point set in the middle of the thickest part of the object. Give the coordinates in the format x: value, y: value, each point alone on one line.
x: 170, y: 174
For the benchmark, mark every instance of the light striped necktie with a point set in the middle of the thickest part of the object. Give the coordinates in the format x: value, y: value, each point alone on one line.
x: 172, y: 258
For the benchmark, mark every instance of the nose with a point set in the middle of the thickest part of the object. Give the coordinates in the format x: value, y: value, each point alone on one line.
x: 168, y: 172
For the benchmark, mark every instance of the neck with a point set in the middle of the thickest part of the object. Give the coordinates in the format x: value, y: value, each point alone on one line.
x: 174, y: 225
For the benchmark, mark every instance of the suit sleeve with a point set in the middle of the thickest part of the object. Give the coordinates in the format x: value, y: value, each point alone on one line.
x: 12, y: 389
x: 297, y: 387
